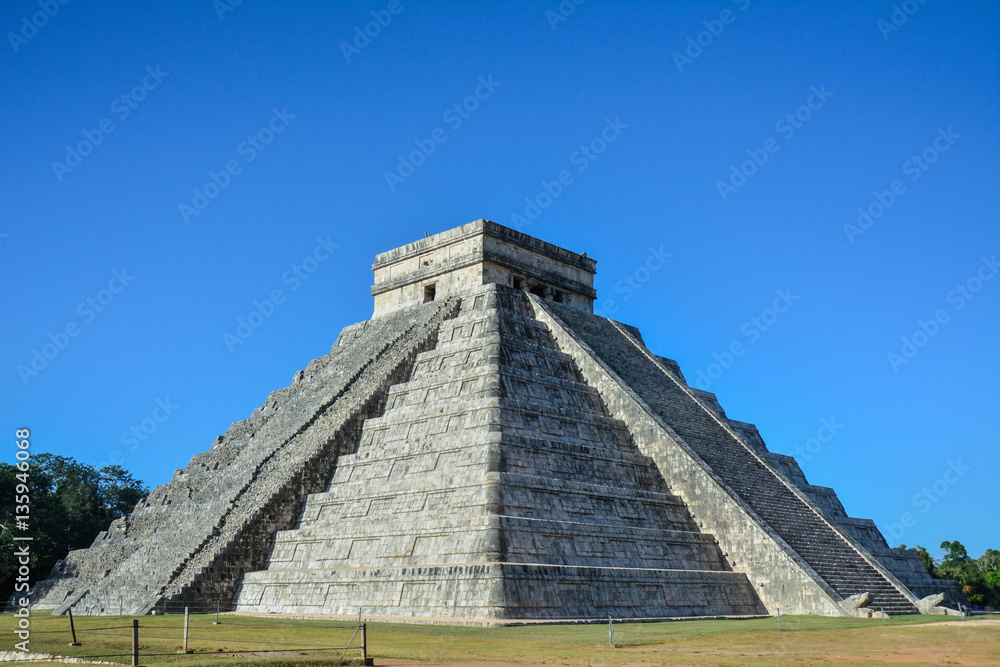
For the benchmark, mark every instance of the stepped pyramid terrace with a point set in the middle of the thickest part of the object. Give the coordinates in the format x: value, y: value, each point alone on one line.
x: 486, y: 449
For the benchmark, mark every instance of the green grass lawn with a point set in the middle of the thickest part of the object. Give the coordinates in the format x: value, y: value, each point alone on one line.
x: 292, y: 642
x: 280, y: 642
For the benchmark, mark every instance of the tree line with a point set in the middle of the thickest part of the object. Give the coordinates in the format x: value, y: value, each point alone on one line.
x: 69, y: 504
x: 978, y: 577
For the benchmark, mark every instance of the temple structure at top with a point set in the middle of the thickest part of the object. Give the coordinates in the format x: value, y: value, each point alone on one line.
x: 476, y: 254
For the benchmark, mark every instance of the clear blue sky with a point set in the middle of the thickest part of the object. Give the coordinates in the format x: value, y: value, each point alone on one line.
x: 644, y: 109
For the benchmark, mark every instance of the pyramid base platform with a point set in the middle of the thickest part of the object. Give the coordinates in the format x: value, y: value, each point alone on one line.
x: 498, y: 592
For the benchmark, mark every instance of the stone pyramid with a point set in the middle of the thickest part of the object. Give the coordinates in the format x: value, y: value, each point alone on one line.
x: 485, y: 449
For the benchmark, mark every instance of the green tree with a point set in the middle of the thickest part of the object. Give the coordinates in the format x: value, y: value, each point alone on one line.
x: 119, y: 492
x: 989, y: 565
x: 973, y: 575
x: 70, y: 503
x: 955, y: 554
x: 993, y: 579
x: 978, y: 577
x: 989, y: 561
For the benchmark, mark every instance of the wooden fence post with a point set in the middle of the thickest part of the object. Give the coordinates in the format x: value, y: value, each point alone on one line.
x: 365, y: 660
x: 186, y: 616
x: 135, y: 642
x: 72, y: 629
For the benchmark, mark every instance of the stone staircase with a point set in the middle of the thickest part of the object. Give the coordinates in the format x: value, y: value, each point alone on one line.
x: 802, y: 527
x: 487, y: 450
x: 192, y: 539
x: 496, y: 485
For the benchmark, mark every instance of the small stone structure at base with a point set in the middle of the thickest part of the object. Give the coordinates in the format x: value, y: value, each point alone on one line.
x: 486, y: 449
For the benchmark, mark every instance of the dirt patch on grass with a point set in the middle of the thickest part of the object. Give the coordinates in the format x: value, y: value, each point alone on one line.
x: 391, y: 662
x: 974, y: 623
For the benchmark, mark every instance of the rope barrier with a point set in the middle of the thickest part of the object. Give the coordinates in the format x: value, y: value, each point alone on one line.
x: 263, y: 650
x: 48, y: 632
x: 107, y: 637
x: 81, y: 657
x: 237, y: 641
x: 202, y: 653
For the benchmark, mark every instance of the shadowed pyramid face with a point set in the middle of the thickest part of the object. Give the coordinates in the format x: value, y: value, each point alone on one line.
x: 483, y: 449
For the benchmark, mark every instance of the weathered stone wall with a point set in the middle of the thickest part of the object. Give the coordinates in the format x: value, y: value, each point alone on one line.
x: 481, y: 252
x: 496, y: 460
x: 303, y: 466
x: 214, y: 518
x: 905, y: 565
x: 795, y: 557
